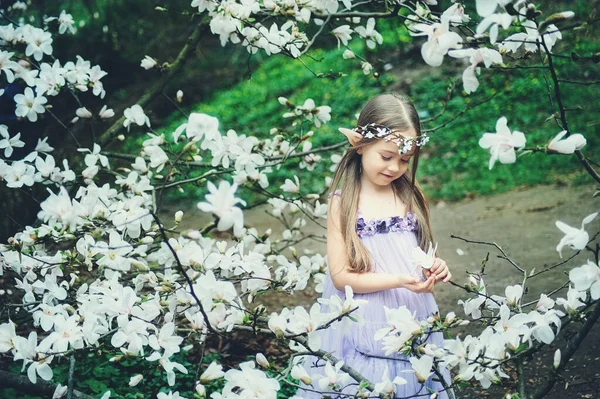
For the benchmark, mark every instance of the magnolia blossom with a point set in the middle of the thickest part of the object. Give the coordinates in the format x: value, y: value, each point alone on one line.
x: 502, y: 144
x: 342, y: 34
x: 587, y: 277
x: 199, y: 126
x: 291, y: 187
x: 135, y: 114
x: 439, y: 40
x: 370, y: 34
x: 422, y: 367
x: 492, y: 22
x: 577, y: 239
x: 476, y: 56
x: 425, y: 260
x: 8, y: 143
x: 29, y: 105
x: 386, y: 386
x: 567, y: 146
x: 531, y: 38
x: 148, y: 62
x: 333, y: 376
x: 221, y: 202
x: 249, y: 382
x: 513, y: 294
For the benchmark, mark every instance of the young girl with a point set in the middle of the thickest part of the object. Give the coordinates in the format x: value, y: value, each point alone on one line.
x: 376, y: 219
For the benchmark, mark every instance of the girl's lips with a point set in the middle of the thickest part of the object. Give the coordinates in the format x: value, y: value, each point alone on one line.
x: 388, y: 176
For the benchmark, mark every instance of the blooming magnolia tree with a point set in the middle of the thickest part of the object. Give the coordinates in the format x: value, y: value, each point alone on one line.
x: 101, y: 269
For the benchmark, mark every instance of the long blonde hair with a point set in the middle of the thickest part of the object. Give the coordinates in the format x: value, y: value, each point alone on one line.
x: 397, y: 112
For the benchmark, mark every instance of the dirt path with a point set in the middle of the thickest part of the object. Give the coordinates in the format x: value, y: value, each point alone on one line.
x: 522, y: 222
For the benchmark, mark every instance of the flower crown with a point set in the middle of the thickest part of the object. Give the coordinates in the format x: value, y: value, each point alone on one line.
x: 374, y: 130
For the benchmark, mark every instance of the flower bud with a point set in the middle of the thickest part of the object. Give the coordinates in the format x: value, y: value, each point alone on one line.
x: 262, y: 360
x: 178, y: 216
x: 557, y: 358
x: 179, y: 96
x: 133, y: 381
x: 200, y: 390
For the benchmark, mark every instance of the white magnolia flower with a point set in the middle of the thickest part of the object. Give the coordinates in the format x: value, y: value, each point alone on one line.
x: 343, y: 34
x: 65, y: 22
x: 422, y: 367
x: 348, y: 54
x: 29, y: 105
x: 83, y: 112
x: 19, y: 174
x: 531, y: 38
x: 425, y: 260
x: 39, y: 42
x: 333, y: 376
x: 199, y: 126
x: 569, y: 145
x: 587, y: 277
x: 367, y: 67
x: 386, y: 386
x: 299, y: 373
x: 106, y: 112
x: 7, y: 65
x: 544, y: 304
x: 9, y: 143
x: 487, y: 7
x: 502, y: 144
x: 439, y: 40
x: 573, y: 301
x: 248, y: 382
x: 493, y: 21
x: 513, y: 294
x: 370, y: 34
x: 148, y: 62
x: 476, y: 56
x: 135, y: 114
x: 577, y: 239
x: 291, y: 187
x: 221, y: 202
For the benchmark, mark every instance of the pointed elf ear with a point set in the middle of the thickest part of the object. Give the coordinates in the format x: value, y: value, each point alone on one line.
x: 352, y: 136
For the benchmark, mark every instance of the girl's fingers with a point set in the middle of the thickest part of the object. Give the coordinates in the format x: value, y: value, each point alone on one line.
x: 441, y: 268
x: 448, y: 277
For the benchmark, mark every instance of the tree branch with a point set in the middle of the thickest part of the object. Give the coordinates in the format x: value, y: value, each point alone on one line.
x: 569, y: 351
x: 158, y: 87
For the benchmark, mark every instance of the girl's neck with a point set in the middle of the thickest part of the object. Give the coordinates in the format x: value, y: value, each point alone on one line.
x: 367, y: 187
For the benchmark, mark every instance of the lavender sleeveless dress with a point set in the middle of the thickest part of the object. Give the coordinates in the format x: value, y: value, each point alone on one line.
x: 390, y: 242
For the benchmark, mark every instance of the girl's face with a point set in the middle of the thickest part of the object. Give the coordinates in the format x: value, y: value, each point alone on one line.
x: 381, y: 162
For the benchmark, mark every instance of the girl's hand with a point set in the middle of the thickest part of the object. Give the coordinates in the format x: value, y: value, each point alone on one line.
x: 416, y: 285
x: 439, y: 270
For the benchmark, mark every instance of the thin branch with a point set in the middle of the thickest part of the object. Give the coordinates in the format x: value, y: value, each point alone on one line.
x: 159, y: 86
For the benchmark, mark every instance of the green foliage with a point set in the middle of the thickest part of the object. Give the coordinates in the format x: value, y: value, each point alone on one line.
x: 456, y: 166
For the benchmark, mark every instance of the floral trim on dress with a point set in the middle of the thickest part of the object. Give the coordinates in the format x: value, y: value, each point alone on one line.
x: 386, y: 225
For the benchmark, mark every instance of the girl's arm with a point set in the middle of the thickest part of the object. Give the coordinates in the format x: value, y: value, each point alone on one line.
x: 340, y: 272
